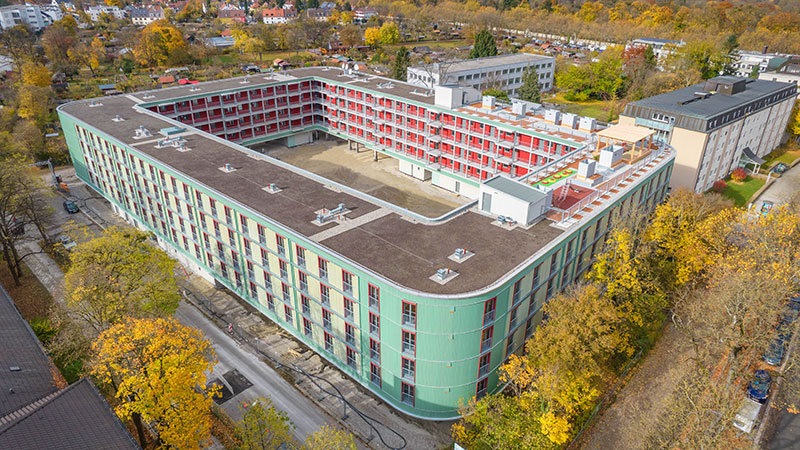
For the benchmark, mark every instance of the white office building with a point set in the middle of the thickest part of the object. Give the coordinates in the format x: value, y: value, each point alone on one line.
x: 29, y: 15
x: 502, y: 72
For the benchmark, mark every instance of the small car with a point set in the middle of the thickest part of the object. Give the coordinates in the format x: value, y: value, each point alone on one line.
x: 774, y: 355
x: 758, y: 389
x: 766, y: 206
x: 780, y: 168
x: 66, y: 242
x: 71, y: 207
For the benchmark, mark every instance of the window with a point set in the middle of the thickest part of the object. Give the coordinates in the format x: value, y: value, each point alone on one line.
x: 323, y: 269
x: 408, y: 369
x: 243, y: 221
x: 287, y: 312
x: 483, y: 365
x: 510, y: 346
x: 307, y: 327
x: 409, y: 314
x: 407, y: 394
x: 303, y: 278
x: 304, y: 303
x: 349, y: 334
x: 375, y: 350
x: 348, y: 308
x: 245, y: 244
x: 270, y: 303
x: 351, y: 358
x: 284, y: 268
x: 301, y: 256
x: 347, y: 282
x: 570, y: 246
x: 228, y: 216
x: 486, y: 339
x: 374, y: 325
x: 512, y: 321
x: 279, y: 241
x: 253, y: 291
x: 328, y: 342
x: 287, y: 296
x: 264, y: 258
x: 536, y: 275
x: 517, y: 288
x: 529, y: 328
x: 267, y: 281
x: 409, y: 342
x: 551, y: 287
x: 489, y: 310
x: 554, y: 261
x: 262, y: 235
x: 375, y: 373
x: 480, y: 388
x: 374, y: 298
x: 326, y: 319
x: 213, y: 204
x: 325, y: 294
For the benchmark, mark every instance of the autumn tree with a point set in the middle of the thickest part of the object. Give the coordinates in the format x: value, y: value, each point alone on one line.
x: 33, y: 103
x: 16, y: 42
x: 89, y: 56
x: 157, y: 41
x: 156, y: 368
x: 530, y: 91
x: 35, y: 74
x: 600, y: 80
x: 264, y: 427
x: 388, y: 33
x: 372, y: 36
x: 484, y: 45
x: 402, y: 59
x: 120, y: 274
x: 330, y: 438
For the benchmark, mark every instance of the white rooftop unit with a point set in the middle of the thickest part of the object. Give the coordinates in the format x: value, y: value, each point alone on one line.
x: 587, y: 124
x: 489, y: 101
x: 569, y: 120
x: 512, y: 199
x: 552, y: 115
x: 610, y: 155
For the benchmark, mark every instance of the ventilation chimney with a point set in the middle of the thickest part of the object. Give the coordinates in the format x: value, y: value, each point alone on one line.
x: 552, y: 116
x: 489, y: 101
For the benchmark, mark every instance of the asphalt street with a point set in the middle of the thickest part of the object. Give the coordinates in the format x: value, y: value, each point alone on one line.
x: 305, y: 415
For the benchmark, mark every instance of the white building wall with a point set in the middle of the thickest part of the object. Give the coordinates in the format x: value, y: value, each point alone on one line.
x: 30, y: 15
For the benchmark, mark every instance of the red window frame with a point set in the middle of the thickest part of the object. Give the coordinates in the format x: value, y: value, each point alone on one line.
x: 402, y: 360
x: 490, y: 305
x: 415, y: 341
x: 402, y: 309
x: 373, y: 366
x: 377, y: 319
x: 413, y: 397
x: 370, y: 288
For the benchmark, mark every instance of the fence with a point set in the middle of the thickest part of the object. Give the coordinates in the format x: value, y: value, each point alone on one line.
x: 326, y: 388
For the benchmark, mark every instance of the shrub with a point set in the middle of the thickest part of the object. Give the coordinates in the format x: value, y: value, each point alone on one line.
x: 719, y: 186
x: 739, y: 174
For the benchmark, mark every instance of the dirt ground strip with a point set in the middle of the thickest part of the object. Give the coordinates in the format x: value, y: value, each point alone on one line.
x: 382, y: 179
x: 625, y: 424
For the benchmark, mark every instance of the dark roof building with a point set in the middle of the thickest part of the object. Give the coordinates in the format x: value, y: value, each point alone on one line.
x: 34, y: 413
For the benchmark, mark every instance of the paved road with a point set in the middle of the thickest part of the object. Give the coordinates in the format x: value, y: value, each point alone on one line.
x: 305, y: 415
x: 783, y: 189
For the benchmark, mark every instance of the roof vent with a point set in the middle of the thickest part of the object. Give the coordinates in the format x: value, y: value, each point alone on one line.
x: 117, y: 118
x: 244, y: 81
x: 148, y: 95
x: 272, y: 188
x: 460, y: 255
x: 182, y: 146
x: 14, y: 368
x: 443, y: 276
x: 326, y: 215
x: 227, y: 168
x: 94, y: 104
x: 194, y: 89
x: 142, y: 133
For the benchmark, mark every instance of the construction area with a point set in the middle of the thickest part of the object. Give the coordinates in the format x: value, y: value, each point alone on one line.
x: 333, y: 160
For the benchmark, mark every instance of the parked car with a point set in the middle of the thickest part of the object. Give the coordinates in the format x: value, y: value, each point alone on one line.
x: 766, y: 206
x: 66, y: 242
x: 71, y: 207
x: 758, y: 389
x: 780, y: 168
x: 775, y: 352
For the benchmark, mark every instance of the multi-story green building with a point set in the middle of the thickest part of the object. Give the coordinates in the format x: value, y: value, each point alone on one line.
x: 420, y: 311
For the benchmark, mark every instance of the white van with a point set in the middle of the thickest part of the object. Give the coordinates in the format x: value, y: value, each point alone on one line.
x: 748, y: 414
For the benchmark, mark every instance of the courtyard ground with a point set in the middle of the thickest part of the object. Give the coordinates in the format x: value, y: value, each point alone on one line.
x: 382, y: 179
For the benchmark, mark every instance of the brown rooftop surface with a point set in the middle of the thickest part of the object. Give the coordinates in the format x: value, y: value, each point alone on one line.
x: 404, y: 252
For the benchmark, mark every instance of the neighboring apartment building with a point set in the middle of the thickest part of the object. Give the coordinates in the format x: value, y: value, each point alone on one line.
x: 714, y: 125
x: 146, y: 15
x: 96, y: 11
x: 319, y: 14
x: 362, y: 15
x: 279, y: 15
x: 232, y: 12
x: 420, y: 311
x: 661, y: 47
x: 787, y: 72
x: 27, y: 14
x: 502, y: 72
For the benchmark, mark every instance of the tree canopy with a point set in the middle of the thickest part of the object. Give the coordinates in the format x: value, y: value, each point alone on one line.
x: 484, y: 45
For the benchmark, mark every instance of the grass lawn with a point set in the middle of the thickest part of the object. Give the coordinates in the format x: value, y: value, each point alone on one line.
x: 450, y: 43
x: 599, y: 109
x: 786, y: 154
x: 741, y: 192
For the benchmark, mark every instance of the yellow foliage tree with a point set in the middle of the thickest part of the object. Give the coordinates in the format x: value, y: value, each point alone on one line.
x: 156, y: 42
x: 330, y: 438
x: 120, y: 274
x: 389, y: 33
x: 372, y: 36
x: 35, y: 74
x: 34, y: 103
x: 155, y: 368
